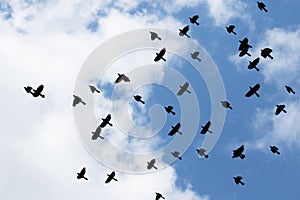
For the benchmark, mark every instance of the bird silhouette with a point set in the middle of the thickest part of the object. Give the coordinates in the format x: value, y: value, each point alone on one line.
x: 261, y: 6
x: 169, y: 109
x: 154, y: 36
x: 253, y: 90
x: 111, y: 177
x: 279, y: 109
x: 275, y: 149
x: 77, y: 100
x: 81, y: 174
x: 122, y: 77
x: 195, y: 56
x: 151, y: 165
x: 253, y: 64
x: 184, y: 31
x: 238, y: 180
x: 35, y: 93
x: 138, y: 98
x: 226, y: 104
x: 238, y: 153
x: 230, y: 29
x: 158, y: 196
x: 160, y: 55
x: 194, y: 19
x: 94, y: 89
x: 205, y: 128
x: 266, y: 52
x: 176, y: 155
x: 105, y: 121
x: 96, y: 134
x: 289, y: 89
x: 201, y: 152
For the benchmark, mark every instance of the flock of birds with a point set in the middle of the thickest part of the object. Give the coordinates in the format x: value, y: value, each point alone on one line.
x: 237, y: 153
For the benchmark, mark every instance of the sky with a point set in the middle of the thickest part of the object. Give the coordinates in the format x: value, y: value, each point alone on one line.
x: 68, y: 44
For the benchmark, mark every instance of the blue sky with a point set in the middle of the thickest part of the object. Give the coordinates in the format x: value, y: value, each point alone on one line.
x: 48, y: 42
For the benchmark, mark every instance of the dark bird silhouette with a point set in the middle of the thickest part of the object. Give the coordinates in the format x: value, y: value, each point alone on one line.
x: 202, y: 152
x: 169, y: 109
x: 226, y: 104
x: 94, y: 89
x: 96, y: 134
x: 253, y: 90
x: 183, y: 88
x: 154, y: 36
x: 280, y: 108
x: 266, y: 52
x: 81, y: 174
x: 158, y: 196
x: 110, y: 177
x: 151, y: 165
x: 205, y: 128
x: 175, y: 129
x: 261, y: 6
x: 105, y: 121
x: 160, y: 55
x: 35, y: 93
x: 176, y: 155
x: 244, y: 44
x: 77, y: 100
x: 122, y: 77
x: 244, y: 52
x: 195, y: 56
x: 138, y: 98
x: 289, y: 89
x: 238, y: 153
x: 184, y: 31
x: 238, y: 179
x: 253, y: 64
x: 194, y: 19
x: 274, y: 149
x: 230, y: 29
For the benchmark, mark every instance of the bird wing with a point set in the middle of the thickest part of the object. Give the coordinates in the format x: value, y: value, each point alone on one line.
x: 126, y: 79
x: 39, y: 89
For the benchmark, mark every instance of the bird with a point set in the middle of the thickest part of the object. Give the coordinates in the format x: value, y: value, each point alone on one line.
x: 138, y: 98
x: 176, y: 155
x: 262, y: 6
x: 160, y: 55
x: 184, y: 31
x: 122, y: 77
x: 289, y: 89
x: 94, y: 89
x: 266, y: 52
x: 96, y: 134
x: 175, y: 129
x: 35, y: 93
x: 201, y: 152
x: 195, y: 56
x: 280, y: 108
x: 77, y: 100
x: 105, y: 121
x: 158, y: 196
x: 154, y: 36
x: 81, y: 174
x: 183, y: 88
x: 230, y: 29
x: 205, y: 128
x: 275, y: 149
x: 226, y: 104
x: 253, y: 64
x: 253, y: 90
x: 238, y: 179
x: 238, y: 153
x: 194, y: 19
x: 244, y: 44
x: 169, y: 109
x: 151, y: 165
x: 110, y: 177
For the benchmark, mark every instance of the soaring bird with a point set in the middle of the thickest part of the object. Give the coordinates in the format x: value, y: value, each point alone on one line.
x: 81, y: 174
x: 261, y: 6
x: 35, y: 93
x: 184, y: 31
x: 230, y: 29
x: 205, y: 128
x: 238, y: 179
x: 266, y: 52
x: 226, y: 104
x: 154, y: 36
x: 239, y: 152
x: 77, y: 100
x: 194, y: 19
x: 201, y: 152
x: 176, y: 155
x: 122, y: 77
x: 274, y: 149
x: 195, y: 56
x: 289, y: 89
x: 280, y: 108
x: 253, y: 64
x: 110, y: 177
x: 169, y: 109
x: 158, y: 196
x: 96, y: 134
x: 138, y: 98
x: 94, y: 89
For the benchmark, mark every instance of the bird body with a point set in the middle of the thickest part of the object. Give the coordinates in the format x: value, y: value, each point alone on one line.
x: 230, y: 29
x: 184, y: 31
x: 201, y: 152
x: 81, y: 174
x: 226, y: 104
x: 138, y: 98
x: 261, y: 6
x: 169, y: 109
x: 266, y: 52
x: 176, y: 155
x: 274, y: 149
x: 194, y: 19
x: 238, y: 180
x: 279, y: 109
x: 253, y: 64
x: 289, y: 89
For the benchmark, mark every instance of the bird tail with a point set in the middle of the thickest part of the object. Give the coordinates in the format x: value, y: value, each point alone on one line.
x: 43, y: 96
x: 173, y: 113
x: 143, y: 102
x: 163, y: 59
x: 234, y: 32
x: 197, y: 23
x: 179, y: 132
x: 242, y: 183
x: 230, y: 107
x: 256, y: 68
x: 270, y: 56
x: 109, y: 124
x: 158, y: 38
x: 265, y: 9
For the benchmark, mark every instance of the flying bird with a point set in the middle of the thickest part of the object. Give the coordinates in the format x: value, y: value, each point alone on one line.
x: 184, y: 31
x: 175, y: 129
x: 176, y: 155
x: 261, y: 6
x: 279, y: 109
x: 169, y: 109
x: 202, y: 152
x: 205, y: 128
x: 253, y: 64
x: 94, y: 89
x: 35, y: 93
x: 253, y: 90
x: 244, y: 44
x: 110, y: 177
x: 77, y: 100
x: 266, y: 52
x: 96, y: 134
x: 183, y: 88
x: 289, y: 89
x: 195, y: 56
x: 158, y: 196
x: 238, y: 179
x: 226, y: 104
x: 274, y: 149
x: 138, y: 98
x: 151, y: 165
x: 238, y: 153
x: 105, y: 121
x: 194, y: 19
x: 81, y: 174
x: 154, y: 36
x: 122, y: 77
x: 160, y: 55
x: 230, y: 29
